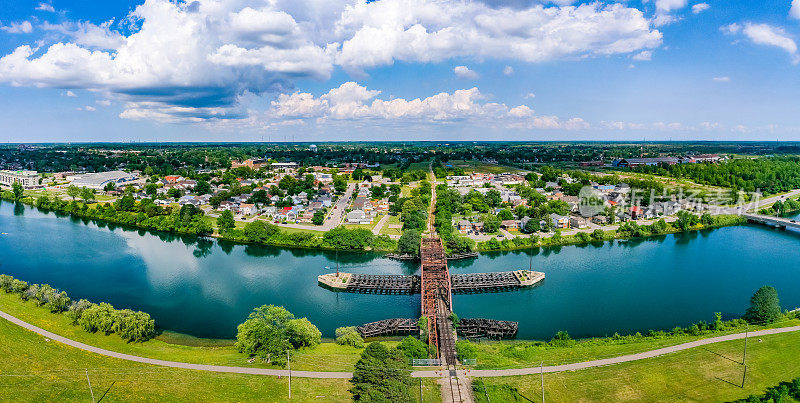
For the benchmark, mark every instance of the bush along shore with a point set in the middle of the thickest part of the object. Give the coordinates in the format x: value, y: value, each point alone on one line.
x: 131, y: 326
x: 190, y: 220
x: 628, y: 230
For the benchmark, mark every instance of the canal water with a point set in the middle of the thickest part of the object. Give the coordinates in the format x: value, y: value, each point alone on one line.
x: 206, y: 288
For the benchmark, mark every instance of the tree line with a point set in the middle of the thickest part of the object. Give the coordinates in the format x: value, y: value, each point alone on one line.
x: 131, y: 326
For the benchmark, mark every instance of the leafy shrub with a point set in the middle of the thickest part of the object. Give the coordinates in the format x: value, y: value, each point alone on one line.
x: 413, y: 348
x: 466, y: 350
x: 349, y: 336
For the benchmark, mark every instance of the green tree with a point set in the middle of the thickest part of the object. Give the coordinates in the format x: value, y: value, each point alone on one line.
x: 151, y: 189
x: 270, y: 331
x: 531, y: 226
x: 260, y: 231
x: 302, y: 333
x: 598, y: 235
x: 764, y: 306
x: 134, y: 326
x: 409, y: 242
x: 98, y: 317
x: 491, y: 223
x: 87, y: 194
x: 413, y: 348
x: 349, y: 336
x: 202, y: 187
x: 76, y: 310
x: 73, y: 191
x: 382, y: 375
x: 225, y: 222
x: 493, y: 198
x: 110, y: 186
x: 17, y: 190
x: 319, y: 217
x: 505, y: 214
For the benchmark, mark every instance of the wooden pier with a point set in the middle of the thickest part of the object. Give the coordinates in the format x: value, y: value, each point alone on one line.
x: 493, y: 329
x: 469, y: 328
x: 411, y: 284
x: 389, y: 327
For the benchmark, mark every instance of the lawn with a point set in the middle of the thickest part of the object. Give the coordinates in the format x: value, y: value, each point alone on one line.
x: 199, y: 351
x: 36, y: 369
x: 708, y: 373
x: 519, y: 354
x: 392, y: 220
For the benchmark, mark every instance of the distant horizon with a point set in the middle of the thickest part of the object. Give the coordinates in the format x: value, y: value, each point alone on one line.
x: 440, y: 142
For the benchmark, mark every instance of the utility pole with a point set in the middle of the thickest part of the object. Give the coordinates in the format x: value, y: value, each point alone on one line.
x: 90, y: 384
x: 420, y: 390
x: 289, y: 361
x: 744, y: 356
x: 541, y: 371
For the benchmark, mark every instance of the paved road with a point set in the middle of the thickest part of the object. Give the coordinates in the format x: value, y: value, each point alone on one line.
x: 614, y: 360
x: 334, y: 218
x: 379, y: 226
x: 416, y: 374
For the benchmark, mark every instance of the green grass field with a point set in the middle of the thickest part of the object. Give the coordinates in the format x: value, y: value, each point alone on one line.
x: 708, y: 373
x: 520, y: 354
x: 392, y: 220
x: 330, y: 356
x: 33, y: 368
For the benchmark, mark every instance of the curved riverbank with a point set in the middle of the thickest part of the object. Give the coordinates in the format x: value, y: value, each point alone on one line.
x: 205, y: 288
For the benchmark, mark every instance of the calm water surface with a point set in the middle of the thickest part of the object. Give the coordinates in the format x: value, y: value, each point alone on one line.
x: 206, y: 288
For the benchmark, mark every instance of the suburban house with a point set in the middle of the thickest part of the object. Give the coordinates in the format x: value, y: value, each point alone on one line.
x: 578, y: 222
x: 559, y: 221
x: 510, y: 224
x: 358, y: 217
x: 247, y: 209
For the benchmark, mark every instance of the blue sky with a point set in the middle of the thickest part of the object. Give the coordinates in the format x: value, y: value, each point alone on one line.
x: 283, y: 70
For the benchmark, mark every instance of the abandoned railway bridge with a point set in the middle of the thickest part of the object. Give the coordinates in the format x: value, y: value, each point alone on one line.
x: 437, y: 287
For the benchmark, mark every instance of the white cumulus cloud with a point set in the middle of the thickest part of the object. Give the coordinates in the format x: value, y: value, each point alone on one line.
x: 508, y: 70
x: 382, y: 32
x: 794, y: 12
x: 700, y: 7
x: 465, y: 72
x: 765, y: 34
x: 351, y: 101
x: 24, y: 27
x: 189, y: 61
x: 644, y: 55
x: 45, y: 7
x: 722, y: 79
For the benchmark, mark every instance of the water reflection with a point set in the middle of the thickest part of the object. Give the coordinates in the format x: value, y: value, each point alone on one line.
x: 206, y: 287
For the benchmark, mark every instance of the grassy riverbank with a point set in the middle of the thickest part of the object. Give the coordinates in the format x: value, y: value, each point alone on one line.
x: 330, y: 356
x: 45, y: 370
x: 523, y: 353
x: 709, y: 373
